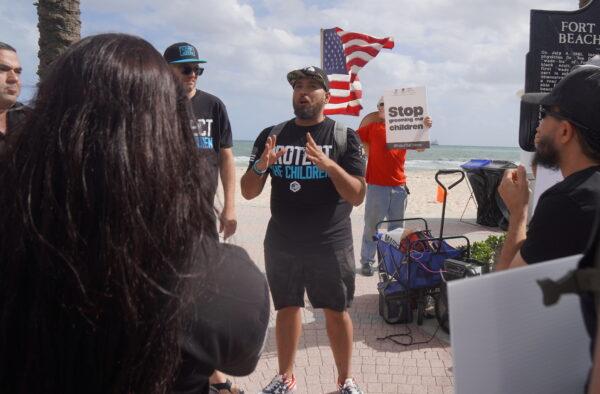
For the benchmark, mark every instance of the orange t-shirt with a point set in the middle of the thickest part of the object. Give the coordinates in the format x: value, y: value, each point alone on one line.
x: 385, y: 167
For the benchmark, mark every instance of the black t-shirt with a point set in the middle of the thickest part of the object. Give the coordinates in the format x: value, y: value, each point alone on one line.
x: 14, y: 118
x: 227, y: 327
x: 210, y: 123
x: 587, y: 299
x: 306, y: 209
x: 564, y: 218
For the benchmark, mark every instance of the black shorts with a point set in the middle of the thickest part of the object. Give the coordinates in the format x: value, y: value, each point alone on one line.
x: 328, y: 277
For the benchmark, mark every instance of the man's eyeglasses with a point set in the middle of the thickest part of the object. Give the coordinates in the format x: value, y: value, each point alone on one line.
x: 188, y: 70
x: 548, y: 112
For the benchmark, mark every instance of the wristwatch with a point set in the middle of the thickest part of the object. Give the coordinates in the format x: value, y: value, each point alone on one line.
x: 257, y: 171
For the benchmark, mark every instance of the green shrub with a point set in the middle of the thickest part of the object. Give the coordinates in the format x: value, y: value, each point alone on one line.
x: 485, y: 251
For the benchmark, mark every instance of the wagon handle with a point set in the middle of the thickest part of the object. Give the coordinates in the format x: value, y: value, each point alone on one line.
x: 437, y: 175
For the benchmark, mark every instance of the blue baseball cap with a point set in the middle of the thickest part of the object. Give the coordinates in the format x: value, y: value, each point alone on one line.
x: 182, y: 52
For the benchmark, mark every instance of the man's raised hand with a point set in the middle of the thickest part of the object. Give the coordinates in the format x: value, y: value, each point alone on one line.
x: 269, y: 156
x: 514, y: 189
x: 316, y: 155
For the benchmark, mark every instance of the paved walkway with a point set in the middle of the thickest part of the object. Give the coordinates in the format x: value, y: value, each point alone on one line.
x: 378, y: 366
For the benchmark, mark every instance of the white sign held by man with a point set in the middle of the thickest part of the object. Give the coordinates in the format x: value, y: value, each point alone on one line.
x: 405, y: 111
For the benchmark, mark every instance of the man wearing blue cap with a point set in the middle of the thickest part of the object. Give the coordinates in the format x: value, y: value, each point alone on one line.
x: 212, y: 131
x: 210, y: 124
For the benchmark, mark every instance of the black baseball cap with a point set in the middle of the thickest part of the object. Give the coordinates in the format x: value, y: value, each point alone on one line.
x: 182, y: 52
x: 309, y: 72
x: 577, y: 95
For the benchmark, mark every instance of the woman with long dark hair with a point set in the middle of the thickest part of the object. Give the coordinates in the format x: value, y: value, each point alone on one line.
x: 111, y: 274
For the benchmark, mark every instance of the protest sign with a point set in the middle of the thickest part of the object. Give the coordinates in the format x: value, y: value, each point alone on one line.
x: 504, y: 340
x: 405, y: 109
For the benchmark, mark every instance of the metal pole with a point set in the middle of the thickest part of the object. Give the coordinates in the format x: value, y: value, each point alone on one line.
x: 321, y: 48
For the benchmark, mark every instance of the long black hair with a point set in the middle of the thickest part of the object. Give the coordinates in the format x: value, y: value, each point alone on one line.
x: 108, y: 227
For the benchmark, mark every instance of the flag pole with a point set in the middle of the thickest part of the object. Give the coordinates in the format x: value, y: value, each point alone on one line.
x: 321, y: 48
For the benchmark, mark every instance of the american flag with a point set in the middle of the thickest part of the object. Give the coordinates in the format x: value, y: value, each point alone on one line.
x: 343, y: 55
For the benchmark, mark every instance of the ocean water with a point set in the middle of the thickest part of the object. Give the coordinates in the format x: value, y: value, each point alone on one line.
x: 435, y: 158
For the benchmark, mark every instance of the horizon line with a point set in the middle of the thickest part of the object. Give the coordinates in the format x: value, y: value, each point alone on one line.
x: 469, y: 146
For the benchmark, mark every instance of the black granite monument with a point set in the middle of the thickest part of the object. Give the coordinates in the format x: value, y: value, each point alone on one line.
x: 558, y: 41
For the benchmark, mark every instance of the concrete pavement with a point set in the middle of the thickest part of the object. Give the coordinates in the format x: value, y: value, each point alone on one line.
x: 378, y: 366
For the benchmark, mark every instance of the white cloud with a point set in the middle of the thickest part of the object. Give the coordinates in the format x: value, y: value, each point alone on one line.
x: 470, y: 54
x: 18, y: 28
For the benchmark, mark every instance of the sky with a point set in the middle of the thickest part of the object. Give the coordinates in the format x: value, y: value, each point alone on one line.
x: 469, y: 54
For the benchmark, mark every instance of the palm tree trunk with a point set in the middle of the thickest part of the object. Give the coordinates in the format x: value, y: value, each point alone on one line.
x: 60, y: 26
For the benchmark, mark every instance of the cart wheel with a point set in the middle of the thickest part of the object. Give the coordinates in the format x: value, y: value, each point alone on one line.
x: 441, y: 309
x: 384, y: 311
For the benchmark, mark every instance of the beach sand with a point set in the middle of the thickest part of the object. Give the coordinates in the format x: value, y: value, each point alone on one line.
x: 254, y: 215
x: 378, y: 366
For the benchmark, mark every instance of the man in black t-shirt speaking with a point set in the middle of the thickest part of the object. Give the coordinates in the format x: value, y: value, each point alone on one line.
x: 210, y: 125
x: 567, y: 138
x: 316, y: 178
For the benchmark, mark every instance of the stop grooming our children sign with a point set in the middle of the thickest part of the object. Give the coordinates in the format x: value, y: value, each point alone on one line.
x: 405, y: 110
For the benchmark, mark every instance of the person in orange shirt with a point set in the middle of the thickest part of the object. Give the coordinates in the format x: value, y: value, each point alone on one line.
x: 386, y: 182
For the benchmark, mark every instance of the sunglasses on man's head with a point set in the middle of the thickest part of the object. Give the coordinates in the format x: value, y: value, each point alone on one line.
x: 188, y: 70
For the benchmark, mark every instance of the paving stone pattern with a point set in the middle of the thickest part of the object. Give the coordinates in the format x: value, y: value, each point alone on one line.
x: 378, y: 366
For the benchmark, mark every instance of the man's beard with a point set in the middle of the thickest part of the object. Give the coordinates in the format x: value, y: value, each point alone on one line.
x: 546, y: 154
x: 308, y: 112
x: 189, y: 88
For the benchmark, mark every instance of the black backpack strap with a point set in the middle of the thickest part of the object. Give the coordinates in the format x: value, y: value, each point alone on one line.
x: 276, y: 130
x: 340, y: 136
x: 575, y: 281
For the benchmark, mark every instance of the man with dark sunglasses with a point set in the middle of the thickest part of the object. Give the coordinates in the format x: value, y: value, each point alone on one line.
x: 210, y: 125
x: 568, y: 139
x: 212, y: 132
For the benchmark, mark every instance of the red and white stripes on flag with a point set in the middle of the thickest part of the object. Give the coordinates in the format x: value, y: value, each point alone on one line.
x: 343, y: 54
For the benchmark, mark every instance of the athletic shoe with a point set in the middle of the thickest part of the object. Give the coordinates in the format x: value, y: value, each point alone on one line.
x: 367, y: 269
x: 280, y: 384
x: 350, y: 387
x: 215, y: 388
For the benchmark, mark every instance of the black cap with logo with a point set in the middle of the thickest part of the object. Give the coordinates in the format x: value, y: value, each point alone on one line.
x: 577, y: 95
x: 182, y: 52
x: 309, y: 72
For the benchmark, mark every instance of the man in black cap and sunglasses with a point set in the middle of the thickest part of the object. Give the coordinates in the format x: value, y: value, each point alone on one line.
x: 567, y: 138
x: 212, y: 131
x: 210, y: 125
